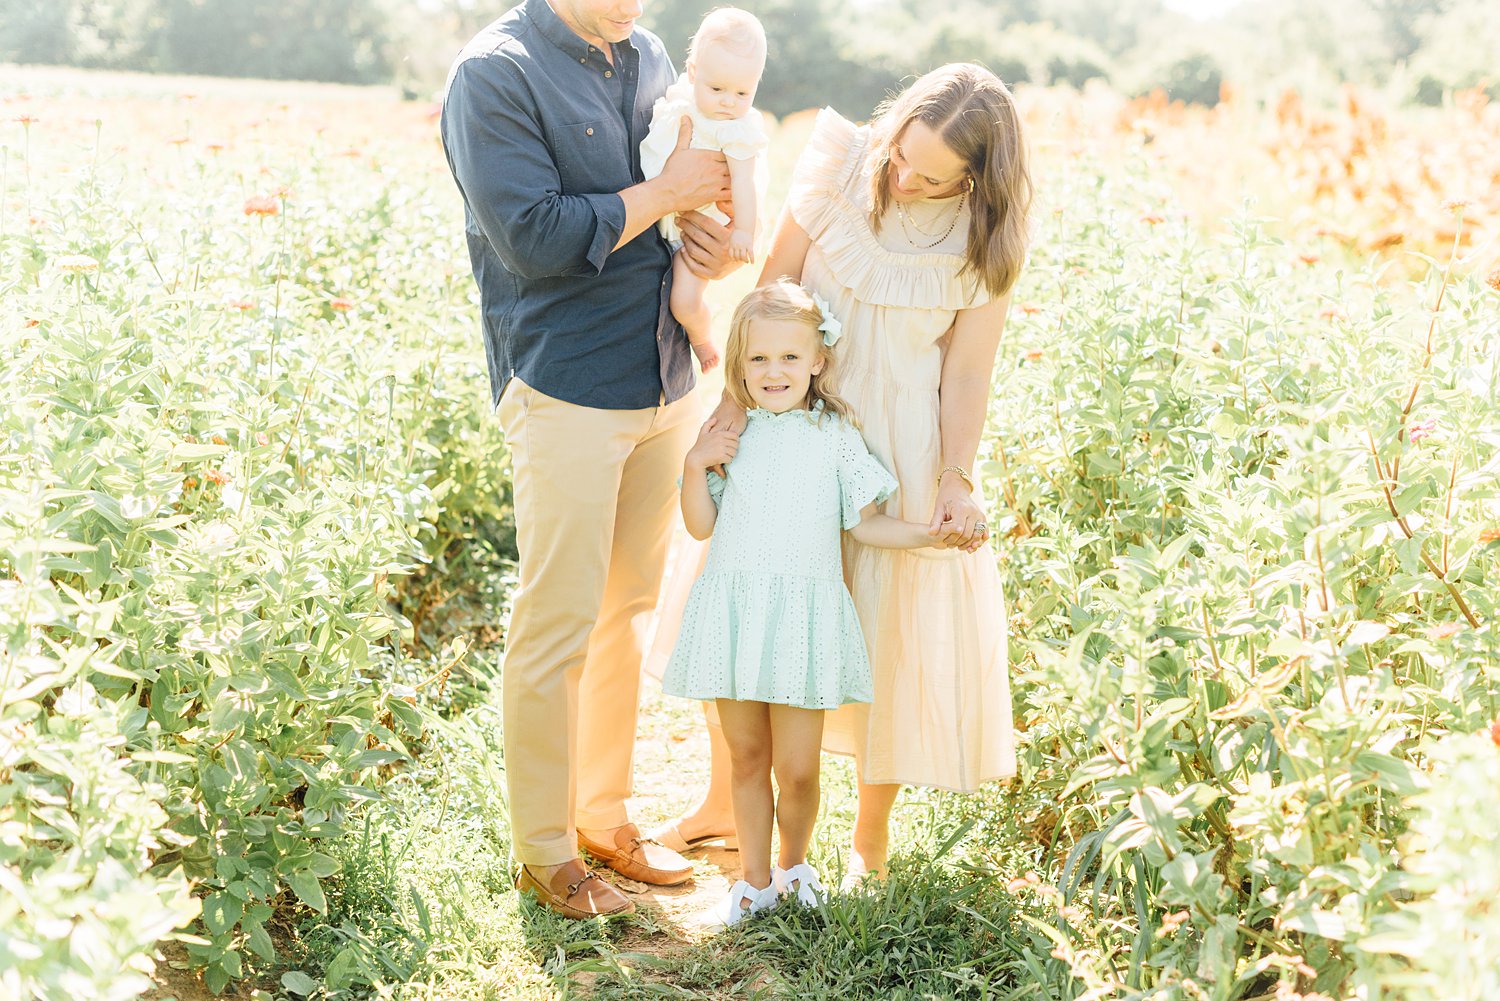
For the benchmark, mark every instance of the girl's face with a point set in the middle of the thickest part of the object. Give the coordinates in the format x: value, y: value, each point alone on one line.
x: 781, y: 357
x: 922, y: 166
x: 724, y: 81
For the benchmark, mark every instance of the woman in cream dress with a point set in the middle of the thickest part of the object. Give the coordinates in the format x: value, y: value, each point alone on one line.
x: 914, y: 230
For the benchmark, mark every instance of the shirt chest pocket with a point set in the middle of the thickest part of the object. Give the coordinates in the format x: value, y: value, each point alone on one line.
x: 591, y: 157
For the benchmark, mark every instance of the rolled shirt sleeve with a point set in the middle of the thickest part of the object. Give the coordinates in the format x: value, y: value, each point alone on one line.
x: 503, y: 166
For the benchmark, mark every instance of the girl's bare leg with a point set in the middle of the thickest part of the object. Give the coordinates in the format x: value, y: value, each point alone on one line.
x: 747, y: 728
x: 872, y: 828
x: 796, y: 740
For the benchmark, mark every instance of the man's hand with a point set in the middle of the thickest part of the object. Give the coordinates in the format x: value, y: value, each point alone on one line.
x: 705, y: 246
x: 694, y: 176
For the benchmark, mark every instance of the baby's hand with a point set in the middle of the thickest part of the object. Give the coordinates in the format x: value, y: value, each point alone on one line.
x: 713, y: 447
x: 742, y: 245
x: 708, y: 355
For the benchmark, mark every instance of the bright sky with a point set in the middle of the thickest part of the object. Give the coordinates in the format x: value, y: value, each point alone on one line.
x: 1201, y: 9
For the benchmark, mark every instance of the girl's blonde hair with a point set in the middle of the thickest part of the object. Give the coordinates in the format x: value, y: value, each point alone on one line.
x: 737, y: 30
x: 975, y: 116
x: 782, y: 299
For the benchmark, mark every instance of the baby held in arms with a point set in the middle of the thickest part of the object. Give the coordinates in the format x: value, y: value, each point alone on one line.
x: 724, y: 66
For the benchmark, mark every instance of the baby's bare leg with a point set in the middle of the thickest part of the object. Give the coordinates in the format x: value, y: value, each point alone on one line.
x: 691, y: 310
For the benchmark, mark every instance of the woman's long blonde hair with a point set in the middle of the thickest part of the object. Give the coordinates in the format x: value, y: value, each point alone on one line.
x: 975, y: 116
x: 782, y: 299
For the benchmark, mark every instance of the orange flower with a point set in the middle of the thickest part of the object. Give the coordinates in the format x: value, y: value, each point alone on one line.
x: 1030, y: 307
x: 1035, y: 354
x: 27, y: 120
x: 1490, y: 535
x: 218, y: 439
x: 261, y: 438
x: 261, y: 205
x: 1493, y: 279
x: 340, y: 304
x: 190, y: 482
x: 1331, y: 313
x: 243, y: 305
x: 1443, y: 630
x: 1495, y: 732
x: 178, y: 140
x: 216, y: 477
x: 1152, y: 219
x: 1455, y: 204
x: 215, y: 146
x: 76, y: 264
x: 1309, y: 259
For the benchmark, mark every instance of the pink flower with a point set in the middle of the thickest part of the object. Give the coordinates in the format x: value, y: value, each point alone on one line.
x: 261, y: 205
x: 1422, y: 429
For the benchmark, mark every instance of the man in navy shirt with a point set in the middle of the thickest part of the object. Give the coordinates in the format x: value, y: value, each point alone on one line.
x: 542, y: 123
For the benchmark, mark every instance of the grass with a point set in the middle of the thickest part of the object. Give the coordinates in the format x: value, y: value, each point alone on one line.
x: 424, y: 907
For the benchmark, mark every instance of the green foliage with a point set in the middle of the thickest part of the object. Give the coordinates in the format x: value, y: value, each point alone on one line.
x: 1249, y: 590
x: 223, y: 449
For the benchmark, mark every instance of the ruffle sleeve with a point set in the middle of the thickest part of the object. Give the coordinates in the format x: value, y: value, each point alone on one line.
x: 744, y: 137
x: 828, y: 200
x: 825, y: 166
x: 716, y: 484
x: 666, y: 119
x: 862, y: 479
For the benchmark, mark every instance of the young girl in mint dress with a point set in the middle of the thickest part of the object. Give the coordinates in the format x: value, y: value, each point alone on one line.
x: 769, y: 632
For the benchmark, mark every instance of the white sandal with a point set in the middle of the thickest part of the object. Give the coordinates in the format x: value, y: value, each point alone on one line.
x: 760, y: 900
x: 802, y: 880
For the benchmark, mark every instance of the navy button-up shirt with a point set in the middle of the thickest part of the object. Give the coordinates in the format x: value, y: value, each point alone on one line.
x: 541, y: 132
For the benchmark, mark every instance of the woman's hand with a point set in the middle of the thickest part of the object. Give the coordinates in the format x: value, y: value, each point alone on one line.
x: 957, y: 521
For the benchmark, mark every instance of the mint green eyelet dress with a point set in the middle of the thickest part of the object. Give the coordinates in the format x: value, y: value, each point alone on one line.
x: 770, y: 619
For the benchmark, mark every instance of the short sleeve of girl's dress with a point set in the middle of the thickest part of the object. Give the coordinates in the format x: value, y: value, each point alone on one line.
x: 822, y: 170
x: 716, y: 484
x: 862, y: 479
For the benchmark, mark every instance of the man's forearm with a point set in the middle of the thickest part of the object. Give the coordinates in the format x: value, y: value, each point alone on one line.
x: 645, y: 204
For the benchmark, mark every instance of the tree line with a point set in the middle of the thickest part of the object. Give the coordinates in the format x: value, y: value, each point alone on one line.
x: 850, y: 53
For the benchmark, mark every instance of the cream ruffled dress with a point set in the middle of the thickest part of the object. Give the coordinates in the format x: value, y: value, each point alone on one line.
x: 741, y: 138
x: 933, y: 620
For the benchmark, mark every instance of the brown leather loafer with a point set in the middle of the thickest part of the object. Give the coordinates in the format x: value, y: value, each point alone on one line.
x: 575, y: 892
x: 642, y: 859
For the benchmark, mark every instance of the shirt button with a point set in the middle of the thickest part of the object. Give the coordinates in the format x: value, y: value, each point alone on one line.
x: 583, y: 59
x: 588, y: 132
x: 607, y: 73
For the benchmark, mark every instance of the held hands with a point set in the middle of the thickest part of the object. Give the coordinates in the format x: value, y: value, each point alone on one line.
x: 742, y: 245
x: 714, y: 448
x: 727, y: 416
x: 957, y: 522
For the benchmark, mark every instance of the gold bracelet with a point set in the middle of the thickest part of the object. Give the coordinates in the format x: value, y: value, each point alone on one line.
x: 963, y: 474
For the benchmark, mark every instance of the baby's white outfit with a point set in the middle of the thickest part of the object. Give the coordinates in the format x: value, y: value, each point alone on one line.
x: 741, y: 138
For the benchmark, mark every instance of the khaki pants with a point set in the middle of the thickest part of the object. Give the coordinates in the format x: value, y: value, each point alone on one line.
x: 595, y: 499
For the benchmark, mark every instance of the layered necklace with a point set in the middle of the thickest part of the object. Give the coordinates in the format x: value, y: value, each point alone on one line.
x: 903, y: 217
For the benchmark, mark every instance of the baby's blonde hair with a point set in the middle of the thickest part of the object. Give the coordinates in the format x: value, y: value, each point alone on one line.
x: 737, y: 30
x: 782, y: 299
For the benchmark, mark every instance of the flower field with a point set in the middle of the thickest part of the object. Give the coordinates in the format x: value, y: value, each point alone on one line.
x: 1244, y: 450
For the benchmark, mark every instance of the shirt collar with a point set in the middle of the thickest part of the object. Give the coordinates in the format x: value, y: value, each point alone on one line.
x: 556, y: 31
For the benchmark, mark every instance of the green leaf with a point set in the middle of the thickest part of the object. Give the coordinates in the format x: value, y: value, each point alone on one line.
x: 221, y: 911
x: 305, y: 885
x: 298, y: 982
